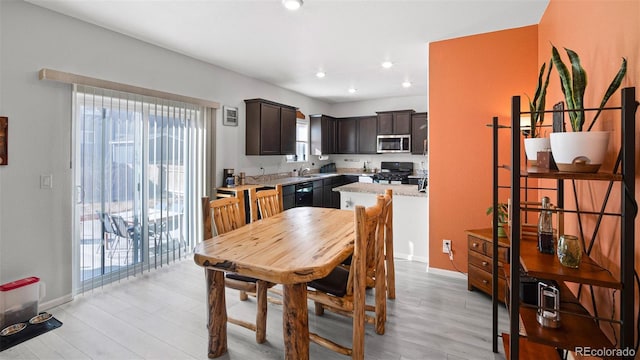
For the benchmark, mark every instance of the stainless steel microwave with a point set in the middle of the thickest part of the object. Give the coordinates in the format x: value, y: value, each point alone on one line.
x: 394, y: 143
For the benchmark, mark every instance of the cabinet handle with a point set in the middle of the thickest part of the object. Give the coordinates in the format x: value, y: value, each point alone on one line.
x: 484, y: 263
x: 485, y: 282
x: 475, y: 245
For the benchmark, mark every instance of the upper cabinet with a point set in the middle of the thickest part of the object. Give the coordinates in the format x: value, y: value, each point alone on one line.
x: 367, y: 130
x: 323, y: 134
x: 394, y: 122
x: 347, y: 135
x: 287, y: 130
x: 357, y: 135
x: 419, y: 133
x: 270, y: 128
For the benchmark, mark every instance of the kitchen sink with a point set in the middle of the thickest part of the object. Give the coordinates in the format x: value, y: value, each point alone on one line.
x: 311, y: 175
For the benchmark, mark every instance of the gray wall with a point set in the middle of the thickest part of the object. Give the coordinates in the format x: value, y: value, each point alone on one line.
x: 35, y: 224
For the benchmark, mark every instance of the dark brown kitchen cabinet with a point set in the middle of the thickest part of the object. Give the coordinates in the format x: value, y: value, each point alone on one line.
x: 419, y: 133
x: 288, y: 197
x: 367, y: 131
x: 317, y: 193
x: 330, y: 198
x: 323, y: 134
x: 287, y: 131
x: 347, y: 135
x: 394, y: 122
x: 270, y: 128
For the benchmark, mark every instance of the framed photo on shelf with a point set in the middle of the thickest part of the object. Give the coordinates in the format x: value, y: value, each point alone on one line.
x: 229, y: 116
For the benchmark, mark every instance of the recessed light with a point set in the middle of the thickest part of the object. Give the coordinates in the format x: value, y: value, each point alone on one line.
x: 352, y: 90
x: 406, y: 84
x: 321, y: 74
x: 292, y: 4
x: 387, y: 64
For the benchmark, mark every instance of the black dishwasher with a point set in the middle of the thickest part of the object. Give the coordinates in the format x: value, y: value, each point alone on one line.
x: 304, y: 194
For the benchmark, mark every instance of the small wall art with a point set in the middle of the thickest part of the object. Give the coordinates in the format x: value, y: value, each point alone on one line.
x: 230, y: 116
x: 4, y: 134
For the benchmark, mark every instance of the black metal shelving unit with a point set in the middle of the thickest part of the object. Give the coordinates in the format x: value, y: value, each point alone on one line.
x: 623, y: 173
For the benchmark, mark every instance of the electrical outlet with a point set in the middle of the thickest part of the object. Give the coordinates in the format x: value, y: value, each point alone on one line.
x: 446, y: 246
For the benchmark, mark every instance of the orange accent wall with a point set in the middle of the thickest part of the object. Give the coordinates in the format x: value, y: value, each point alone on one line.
x: 471, y: 80
x: 601, y: 32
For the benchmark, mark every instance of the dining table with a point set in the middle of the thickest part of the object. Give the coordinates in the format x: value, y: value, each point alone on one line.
x: 290, y: 248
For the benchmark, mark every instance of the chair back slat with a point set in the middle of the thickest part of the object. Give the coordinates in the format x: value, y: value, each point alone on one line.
x: 224, y: 215
x: 207, y: 232
x: 388, y: 246
x: 368, y: 224
x: 268, y: 202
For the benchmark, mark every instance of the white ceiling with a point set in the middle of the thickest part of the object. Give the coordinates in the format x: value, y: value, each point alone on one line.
x: 347, y: 39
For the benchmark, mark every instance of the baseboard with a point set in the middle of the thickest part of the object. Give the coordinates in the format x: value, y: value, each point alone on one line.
x: 55, y: 302
x: 411, y: 258
x: 449, y: 273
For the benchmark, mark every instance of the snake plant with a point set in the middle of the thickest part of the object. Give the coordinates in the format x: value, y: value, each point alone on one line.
x: 536, y: 106
x: 573, y: 87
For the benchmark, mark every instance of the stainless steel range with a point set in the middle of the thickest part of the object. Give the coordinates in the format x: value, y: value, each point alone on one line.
x: 394, y: 172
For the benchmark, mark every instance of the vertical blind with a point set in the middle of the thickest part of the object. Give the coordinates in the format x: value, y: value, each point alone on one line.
x: 139, y: 170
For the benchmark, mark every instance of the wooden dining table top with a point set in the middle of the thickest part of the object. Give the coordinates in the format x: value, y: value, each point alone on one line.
x: 295, y: 246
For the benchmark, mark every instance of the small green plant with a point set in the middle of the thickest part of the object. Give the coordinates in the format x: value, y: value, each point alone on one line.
x: 573, y: 87
x: 503, y: 212
x: 536, y: 106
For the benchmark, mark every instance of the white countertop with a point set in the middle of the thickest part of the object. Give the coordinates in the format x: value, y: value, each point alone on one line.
x: 401, y: 190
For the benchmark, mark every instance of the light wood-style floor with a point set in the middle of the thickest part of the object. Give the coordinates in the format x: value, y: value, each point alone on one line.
x: 161, y: 315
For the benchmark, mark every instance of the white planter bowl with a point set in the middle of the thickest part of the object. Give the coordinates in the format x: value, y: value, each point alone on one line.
x: 533, y: 145
x: 579, y: 151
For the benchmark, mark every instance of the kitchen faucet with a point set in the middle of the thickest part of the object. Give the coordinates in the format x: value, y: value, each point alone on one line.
x: 304, y: 171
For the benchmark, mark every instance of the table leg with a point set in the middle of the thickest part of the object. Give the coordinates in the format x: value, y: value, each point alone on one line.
x: 295, y: 322
x: 217, y: 319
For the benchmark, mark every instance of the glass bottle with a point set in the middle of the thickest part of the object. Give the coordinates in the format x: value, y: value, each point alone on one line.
x: 569, y: 251
x: 545, y: 228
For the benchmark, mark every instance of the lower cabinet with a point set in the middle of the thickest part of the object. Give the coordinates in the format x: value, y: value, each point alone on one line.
x: 323, y: 194
x: 327, y: 192
x: 317, y: 193
x: 288, y: 197
x: 480, y: 244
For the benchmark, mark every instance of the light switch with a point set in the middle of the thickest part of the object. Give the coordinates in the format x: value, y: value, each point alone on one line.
x: 46, y: 181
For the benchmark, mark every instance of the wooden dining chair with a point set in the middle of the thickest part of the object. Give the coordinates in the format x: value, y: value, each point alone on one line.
x: 379, y: 261
x: 388, y: 253
x: 224, y: 215
x: 343, y: 290
x: 265, y: 203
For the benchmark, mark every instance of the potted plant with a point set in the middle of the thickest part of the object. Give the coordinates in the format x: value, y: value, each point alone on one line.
x: 503, y: 217
x: 536, y: 107
x: 580, y: 151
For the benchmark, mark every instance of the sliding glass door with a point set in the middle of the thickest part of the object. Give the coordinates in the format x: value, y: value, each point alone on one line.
x: 137, y: 164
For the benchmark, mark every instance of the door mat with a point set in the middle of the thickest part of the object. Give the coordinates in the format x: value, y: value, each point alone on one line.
x: 31, y: 331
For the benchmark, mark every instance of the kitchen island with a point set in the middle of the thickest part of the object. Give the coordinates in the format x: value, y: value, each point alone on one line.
x: 410, y: 215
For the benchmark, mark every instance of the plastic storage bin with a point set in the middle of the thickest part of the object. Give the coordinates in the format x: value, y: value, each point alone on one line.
x: 19, y: 301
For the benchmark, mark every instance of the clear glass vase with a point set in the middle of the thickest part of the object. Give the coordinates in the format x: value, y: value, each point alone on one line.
x: 569, y: 251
